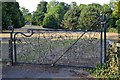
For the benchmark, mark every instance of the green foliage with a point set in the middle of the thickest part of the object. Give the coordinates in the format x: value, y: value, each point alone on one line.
x: 26, y: 14
x: 0, y: 15
x: 50, y: 22
x: 11, y: 15
x: 51, y: 4
x: 117, y: 9
x: 71, y: 18
x: 118, y: 25
x: 55, y: 15
x: 116, y: 13
x: 88, y: 16
x: 110, y: 69
x: 37, y: 18
x: 39, y: 14
x: 112, y: 30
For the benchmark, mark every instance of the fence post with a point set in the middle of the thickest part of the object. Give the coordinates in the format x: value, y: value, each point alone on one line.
x: 11, y: 44
x: 105, y: 27
x: 15, y: 50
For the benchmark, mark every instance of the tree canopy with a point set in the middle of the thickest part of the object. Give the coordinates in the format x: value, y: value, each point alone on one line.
x: 12, y: 15
x: 57, y: 15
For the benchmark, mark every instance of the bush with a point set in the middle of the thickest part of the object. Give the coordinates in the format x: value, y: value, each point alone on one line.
x: 112, y: 30
x: 110, y: 69
x: 118, y: 25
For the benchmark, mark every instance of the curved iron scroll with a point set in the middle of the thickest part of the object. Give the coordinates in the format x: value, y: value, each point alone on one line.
x: 29, y: 30
x: 15, y: 56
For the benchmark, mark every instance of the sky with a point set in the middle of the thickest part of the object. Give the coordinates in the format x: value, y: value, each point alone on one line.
x: 32, y: 4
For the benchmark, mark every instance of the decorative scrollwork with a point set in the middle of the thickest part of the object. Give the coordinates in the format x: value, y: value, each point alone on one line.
x: 11, y: 28
x: 59, y: 47
x: 29, y: 31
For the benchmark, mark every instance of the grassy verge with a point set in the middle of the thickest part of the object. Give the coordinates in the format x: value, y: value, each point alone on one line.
x: 111, y: 68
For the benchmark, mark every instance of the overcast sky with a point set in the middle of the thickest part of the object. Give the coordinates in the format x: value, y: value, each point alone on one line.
x: 32, y: 4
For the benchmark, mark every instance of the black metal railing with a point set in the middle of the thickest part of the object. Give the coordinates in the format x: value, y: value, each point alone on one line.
x: 78, y: 48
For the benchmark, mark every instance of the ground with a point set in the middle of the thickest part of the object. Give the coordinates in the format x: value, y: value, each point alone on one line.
x: 37, y: 71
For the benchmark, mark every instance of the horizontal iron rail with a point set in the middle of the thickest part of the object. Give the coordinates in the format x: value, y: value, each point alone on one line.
x: 53, y: 30
x: 65, y: 30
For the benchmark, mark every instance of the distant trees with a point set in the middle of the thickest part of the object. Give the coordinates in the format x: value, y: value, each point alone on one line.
x: 27, y: 15
x: 117, y: 9
x: 116, y: 13
x: 55, y: 15
x: 62, y: 15
x: 12, y: 15
x: 89, y: 15
x: 39, y: 14
x: 59, y: 15
x: 70, y: 20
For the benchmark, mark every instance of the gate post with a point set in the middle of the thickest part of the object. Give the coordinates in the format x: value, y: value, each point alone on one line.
x: 15, y: 58
x: 11, y: 44
x: 105, y: 27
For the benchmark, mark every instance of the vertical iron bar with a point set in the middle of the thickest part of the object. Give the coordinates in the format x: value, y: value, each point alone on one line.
x: 101, y: 38
x: 105, y: 38
x: 11, y: 49
x: 15, y: 56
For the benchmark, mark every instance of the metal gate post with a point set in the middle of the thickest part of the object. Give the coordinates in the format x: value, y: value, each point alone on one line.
x: 11, y: 44
x: 15, y: 50
x: 105, y: 27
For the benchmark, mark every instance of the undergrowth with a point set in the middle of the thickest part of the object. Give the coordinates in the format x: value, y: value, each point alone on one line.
x: 111, y: 68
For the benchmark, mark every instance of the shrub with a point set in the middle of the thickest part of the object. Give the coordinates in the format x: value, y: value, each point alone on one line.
x: 110, y: 69
x: 112, y: 30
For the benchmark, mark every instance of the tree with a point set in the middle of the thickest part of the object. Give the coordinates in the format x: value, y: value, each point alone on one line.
x: 82, y: 6
x: 55, y: 13
x: 116, y: 13
x: 107, y: 9
x: 50, y: 22
x: 27, y: 15
x: 39, y: 14
x: 70, y: 20
x: 51, y: 4
x: 117, y: 9
x: 0, y: 15
x: 89, y: 16
x: 11, y: 15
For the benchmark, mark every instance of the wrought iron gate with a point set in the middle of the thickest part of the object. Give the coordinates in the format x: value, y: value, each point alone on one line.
x: 58, y: 47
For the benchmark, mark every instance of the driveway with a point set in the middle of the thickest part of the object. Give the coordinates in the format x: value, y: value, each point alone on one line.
x: 37, y: 71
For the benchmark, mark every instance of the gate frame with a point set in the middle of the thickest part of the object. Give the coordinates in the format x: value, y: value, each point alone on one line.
x: 12, y: 44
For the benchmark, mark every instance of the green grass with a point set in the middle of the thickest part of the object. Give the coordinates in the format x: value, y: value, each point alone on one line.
x: 47, y: 46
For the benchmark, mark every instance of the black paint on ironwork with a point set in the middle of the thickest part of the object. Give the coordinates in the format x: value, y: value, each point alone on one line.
x: 105, y: 27
x: 13, y: 39
x: 11, y: 44
x: 69, y: 48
